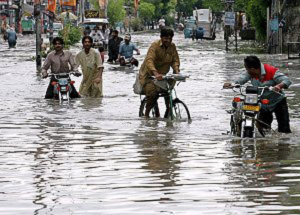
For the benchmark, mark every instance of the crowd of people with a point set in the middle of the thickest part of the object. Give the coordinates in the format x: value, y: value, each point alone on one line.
x: 161, y: 56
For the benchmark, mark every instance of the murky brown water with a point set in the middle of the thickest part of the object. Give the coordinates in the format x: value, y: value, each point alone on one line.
x: 98, y: 157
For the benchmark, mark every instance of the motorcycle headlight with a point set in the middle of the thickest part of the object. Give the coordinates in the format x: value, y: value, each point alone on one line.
x: 251, y: 99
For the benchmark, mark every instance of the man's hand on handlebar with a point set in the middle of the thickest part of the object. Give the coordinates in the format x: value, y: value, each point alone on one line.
x: 278, y: 87
x: 227, y: 86
x: 44, y: 75
x: 158, y: 76
x: 77, y: 74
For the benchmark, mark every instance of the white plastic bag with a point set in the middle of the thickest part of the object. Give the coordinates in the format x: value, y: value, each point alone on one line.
x: 137, y: 87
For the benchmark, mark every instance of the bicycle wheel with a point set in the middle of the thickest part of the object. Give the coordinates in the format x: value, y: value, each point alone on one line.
x: 143, y: 109
x: 180, y: 111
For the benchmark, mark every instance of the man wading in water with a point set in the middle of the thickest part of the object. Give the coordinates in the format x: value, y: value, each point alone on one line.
x: 92, y: 69
x: 160, y: 57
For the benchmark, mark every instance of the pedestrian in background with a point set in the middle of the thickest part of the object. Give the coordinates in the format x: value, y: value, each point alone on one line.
x: 12, y: 38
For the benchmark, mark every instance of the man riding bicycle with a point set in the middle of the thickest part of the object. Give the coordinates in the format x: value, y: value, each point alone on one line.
x: 262, y: 75
x: 126, y: 51
x: 59, y: 61
x: 161, y: 55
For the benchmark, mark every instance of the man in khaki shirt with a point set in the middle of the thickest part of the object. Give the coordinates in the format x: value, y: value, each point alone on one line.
x: 60, y: 61
x: 92, y: 68
x: 160, y: 57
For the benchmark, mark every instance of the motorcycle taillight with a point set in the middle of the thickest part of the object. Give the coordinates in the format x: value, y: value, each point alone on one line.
x: 53, y: 83
x: 265, y: 101
x: 72, y: 82
x: 237, y: 99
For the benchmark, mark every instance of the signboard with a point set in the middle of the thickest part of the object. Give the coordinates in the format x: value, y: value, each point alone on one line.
x: 274, y: 24
x: 91, y: 14
x: 68, y: 3
x: 229, y: 19
x: 27, y: 9
x: 51, y: 5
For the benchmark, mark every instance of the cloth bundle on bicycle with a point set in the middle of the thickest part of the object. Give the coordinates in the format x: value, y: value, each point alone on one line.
x: 137, y: 87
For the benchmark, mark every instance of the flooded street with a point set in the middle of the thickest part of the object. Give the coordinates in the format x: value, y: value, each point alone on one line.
x: 96, y: 156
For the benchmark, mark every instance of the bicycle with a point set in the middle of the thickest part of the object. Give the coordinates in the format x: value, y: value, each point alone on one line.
x: 178, y: 110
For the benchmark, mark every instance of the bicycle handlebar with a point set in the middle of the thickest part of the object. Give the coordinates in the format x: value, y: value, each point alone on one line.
x: 176, y: 77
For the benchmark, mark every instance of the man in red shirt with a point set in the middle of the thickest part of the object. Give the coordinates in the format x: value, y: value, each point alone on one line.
x: 262, y: 75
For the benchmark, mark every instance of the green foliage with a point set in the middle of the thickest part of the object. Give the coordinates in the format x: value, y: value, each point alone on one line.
x: 115, y: 11
x: 257, y: 10
x: 147, y: 11
x: 70, y: 34
x: 136, y: 24
x: 170, y: 20
x: 95, y: 4
x: 215, y: 5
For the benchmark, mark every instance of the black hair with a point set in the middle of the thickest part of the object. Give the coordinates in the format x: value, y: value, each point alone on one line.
x: 252, y: 62
x: 101, y: 49
x: 87, y: 37
x: 58, y: 39
x: 116, y: 31
x: 165, y: 32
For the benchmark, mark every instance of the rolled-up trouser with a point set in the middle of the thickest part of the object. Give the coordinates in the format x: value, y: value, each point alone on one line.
x: 152, y: 93
x: 282, y: 115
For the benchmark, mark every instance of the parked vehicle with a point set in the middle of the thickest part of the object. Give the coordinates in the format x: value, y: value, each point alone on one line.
x: 246, y: 106
x: 92, y: 22
x: 62, y: 86
x: 28, y: 26
x: 189, y: 27
x: 206, y: 24
x: 57, y: 26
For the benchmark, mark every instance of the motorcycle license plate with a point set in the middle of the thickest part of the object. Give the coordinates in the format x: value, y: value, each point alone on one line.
x: 251, y: 108
x: 63, y: 88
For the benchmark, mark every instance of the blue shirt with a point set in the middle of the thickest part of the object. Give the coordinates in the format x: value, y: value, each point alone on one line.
x: 127, y: 50
x: 274, y: 97
x: 12, y: 36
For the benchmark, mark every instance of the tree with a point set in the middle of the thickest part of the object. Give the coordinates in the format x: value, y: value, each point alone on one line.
x: 115, y: 11
x: 147, y: 11
x: 257, y: 11
x: 214, y: 5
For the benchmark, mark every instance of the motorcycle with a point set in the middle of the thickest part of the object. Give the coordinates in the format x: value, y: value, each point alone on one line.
x: 130, y: 62
x: 98, y: 43
x: 245, y: 110
x: 62, y: 86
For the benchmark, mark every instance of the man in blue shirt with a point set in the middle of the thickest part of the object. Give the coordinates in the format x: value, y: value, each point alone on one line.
x: 126, y: 51
x: 12, y: 38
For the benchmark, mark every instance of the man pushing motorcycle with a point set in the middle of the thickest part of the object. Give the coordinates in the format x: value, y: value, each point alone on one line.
x: 126, y: 52
x: 263, y: 75
x: 59, y: 61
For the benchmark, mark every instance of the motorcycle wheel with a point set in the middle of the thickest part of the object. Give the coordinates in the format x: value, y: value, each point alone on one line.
x: 248, y: 132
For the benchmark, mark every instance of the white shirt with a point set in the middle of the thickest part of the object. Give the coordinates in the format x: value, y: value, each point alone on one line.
x: 97, y: 35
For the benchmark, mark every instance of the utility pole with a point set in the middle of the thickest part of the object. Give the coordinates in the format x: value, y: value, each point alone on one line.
x: 37, y: 15
x: 230, y: 23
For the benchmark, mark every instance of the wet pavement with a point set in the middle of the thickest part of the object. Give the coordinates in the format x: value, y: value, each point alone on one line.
x: 96, y: 156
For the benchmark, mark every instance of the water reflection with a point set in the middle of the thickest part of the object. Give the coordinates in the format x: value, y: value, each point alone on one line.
x: 161, y: 157
x: 265, y: 173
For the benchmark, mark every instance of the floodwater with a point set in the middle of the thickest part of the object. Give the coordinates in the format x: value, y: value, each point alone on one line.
x: 96, y: 156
